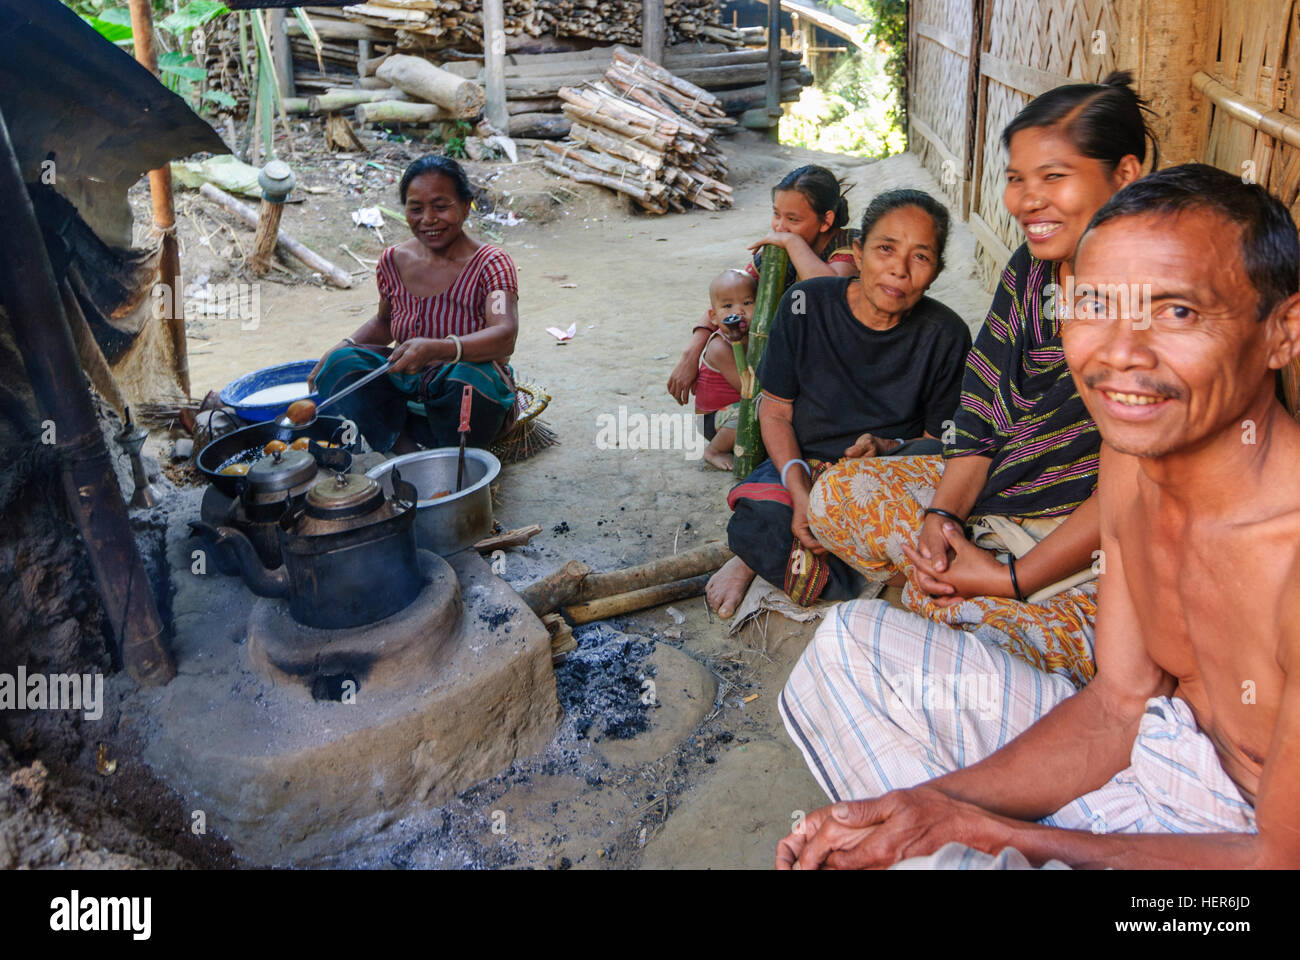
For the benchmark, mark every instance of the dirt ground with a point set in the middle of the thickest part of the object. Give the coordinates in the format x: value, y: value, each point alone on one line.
x: 714, y: 781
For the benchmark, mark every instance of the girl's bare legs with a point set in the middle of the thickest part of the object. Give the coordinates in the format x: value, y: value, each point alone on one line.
x: 718, y: 452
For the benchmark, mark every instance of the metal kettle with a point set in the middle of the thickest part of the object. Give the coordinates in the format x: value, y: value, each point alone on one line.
x: 349, y: 555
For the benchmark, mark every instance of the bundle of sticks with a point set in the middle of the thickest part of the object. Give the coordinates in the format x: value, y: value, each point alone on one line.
x: 646, y: 133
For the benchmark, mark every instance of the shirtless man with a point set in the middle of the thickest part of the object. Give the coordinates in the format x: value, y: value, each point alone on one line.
x: 1184, y: 751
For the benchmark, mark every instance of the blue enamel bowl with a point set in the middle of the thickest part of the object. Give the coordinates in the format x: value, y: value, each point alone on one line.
x: 235, y: 393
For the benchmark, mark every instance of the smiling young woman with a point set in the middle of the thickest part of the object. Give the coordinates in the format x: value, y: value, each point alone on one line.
x: 1007, y: 515
x: 449, y: 304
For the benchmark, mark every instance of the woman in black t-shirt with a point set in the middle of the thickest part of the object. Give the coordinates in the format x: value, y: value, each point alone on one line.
x: 867, y: 366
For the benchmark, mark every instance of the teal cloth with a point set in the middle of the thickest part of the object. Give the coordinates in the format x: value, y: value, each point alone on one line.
x: 483, y: 377
x: 426, y: 405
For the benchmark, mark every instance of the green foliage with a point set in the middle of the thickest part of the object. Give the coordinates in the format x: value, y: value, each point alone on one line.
x: 861, y: 107
x: 177, y: 68
x: 455, y: 146
x: 851, y: 111
x: 194, y: 14
x: 889, y: 29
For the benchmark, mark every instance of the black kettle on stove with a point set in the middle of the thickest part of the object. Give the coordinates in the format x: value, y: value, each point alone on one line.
x: 348, y: 552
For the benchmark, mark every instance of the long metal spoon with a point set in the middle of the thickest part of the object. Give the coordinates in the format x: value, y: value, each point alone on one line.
x: 287, y: 424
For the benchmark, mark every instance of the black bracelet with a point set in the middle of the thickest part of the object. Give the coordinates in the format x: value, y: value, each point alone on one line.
x: 1015, y: 584
x: 944, y: 513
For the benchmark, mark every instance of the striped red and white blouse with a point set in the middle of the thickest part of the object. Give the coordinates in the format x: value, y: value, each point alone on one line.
x: 460, y: 309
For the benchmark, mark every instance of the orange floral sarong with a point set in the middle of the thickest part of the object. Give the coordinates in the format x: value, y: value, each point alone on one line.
x: 864, y: 510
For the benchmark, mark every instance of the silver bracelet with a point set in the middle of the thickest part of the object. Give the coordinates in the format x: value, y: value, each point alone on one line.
x: 789, y: 464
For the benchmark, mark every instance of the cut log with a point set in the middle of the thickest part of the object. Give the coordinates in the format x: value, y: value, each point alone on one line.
x: 604, y: 163
x: 614, y: 143
x: 746, y: 98
x: 689, y: 563
x: 345, y: 99
x: 583, y: 175
x: 562, y: 639
x: 541, y: 126
x: 621, y: 603
x: 339, y: 30
x: 556, y: 589
x: 339, y: 135
x: 422, y: 80
x: 543, y: 105
x: 401, y: 111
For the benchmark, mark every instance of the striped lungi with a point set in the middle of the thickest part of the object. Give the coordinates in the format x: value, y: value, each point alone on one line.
x: 883, y: 700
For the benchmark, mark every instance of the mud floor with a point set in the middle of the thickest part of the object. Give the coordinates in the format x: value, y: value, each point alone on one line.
x: 672, y: 753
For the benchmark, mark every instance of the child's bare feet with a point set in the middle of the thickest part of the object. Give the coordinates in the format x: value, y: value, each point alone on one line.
x: 723, y: 461
x: 727, y: 587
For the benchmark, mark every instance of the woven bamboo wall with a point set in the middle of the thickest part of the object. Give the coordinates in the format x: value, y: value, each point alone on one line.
x: 1253, y: 50
x: 943, y: 45
x: 1029, y: 46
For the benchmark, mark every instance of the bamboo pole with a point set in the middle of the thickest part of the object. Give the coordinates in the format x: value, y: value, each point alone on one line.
x: 621, y: 603
x: 689, y: 563
x: 1263, y: 118
x: 44, y: 341
x: 748, y: 449
x: 164, y: 208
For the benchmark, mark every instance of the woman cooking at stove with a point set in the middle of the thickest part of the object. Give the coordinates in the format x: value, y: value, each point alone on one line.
x: 449, y: 304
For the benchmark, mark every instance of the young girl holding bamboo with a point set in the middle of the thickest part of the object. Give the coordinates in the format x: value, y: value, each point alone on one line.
x: 810, y: 218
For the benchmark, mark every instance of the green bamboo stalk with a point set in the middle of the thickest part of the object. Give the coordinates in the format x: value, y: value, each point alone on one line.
x: 748, y: 450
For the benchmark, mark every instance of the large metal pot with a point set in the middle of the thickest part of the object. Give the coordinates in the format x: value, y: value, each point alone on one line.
x: 453, y: 522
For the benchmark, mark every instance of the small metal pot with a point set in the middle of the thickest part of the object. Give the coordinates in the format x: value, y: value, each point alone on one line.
x: 453, y: 522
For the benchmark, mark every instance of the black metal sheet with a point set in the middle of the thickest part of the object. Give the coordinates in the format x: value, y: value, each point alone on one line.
x: 70, y: 96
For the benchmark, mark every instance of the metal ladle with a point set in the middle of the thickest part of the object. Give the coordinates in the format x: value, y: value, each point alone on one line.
x: 287, y: 424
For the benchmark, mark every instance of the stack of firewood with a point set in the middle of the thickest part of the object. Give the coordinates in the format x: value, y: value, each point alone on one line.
x: 646, y: 133
x: 452, y: 22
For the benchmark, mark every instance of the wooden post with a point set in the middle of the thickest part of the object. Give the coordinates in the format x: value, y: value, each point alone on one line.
x: 773, y: 60
x: 281, y: 53
x: 1164, y: 64
x: 276, y: 181
x: 336, y: 275
x: 164, y: 209
x: 653, y: 30
x: 494, y: 62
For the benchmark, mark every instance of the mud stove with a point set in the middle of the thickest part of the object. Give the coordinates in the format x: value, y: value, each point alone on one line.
x: 334, y: 676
